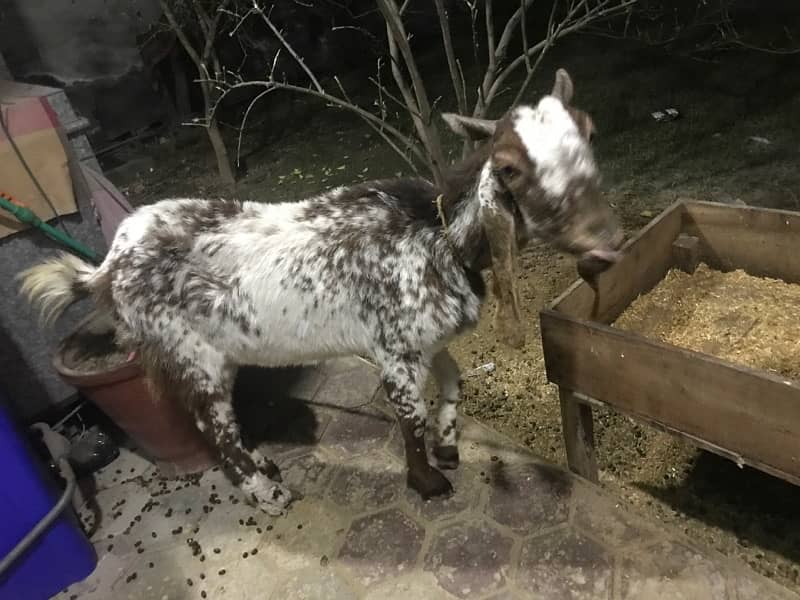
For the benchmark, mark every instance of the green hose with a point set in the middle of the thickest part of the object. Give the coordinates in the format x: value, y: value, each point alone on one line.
x: 25, y: 215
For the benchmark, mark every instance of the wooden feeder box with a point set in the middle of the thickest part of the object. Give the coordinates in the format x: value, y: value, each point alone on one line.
x: 747, y: 415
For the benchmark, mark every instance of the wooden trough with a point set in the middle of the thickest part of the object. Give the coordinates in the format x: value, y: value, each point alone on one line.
x: 749, y: 416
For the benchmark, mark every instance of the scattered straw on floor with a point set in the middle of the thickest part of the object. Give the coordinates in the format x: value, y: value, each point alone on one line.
x: 748, y: 320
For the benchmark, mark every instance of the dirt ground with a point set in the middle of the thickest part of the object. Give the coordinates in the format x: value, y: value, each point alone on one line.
x: 736, y: 141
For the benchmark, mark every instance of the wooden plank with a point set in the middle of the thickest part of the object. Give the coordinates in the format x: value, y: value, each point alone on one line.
x: 578, y: 430
x: 646, y: 259
x: 754, y: 414
x: 699, y: 442
x: 763, y: 242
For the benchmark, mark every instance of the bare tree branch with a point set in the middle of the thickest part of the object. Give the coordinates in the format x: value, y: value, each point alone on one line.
x: 491, y: 48
x: 422, y: 145
x: 531, y: 70
x: 447, y: 40
x: 379, y: 130
x: 401, y: 103
x: 178, y: 29
x: 243, y: 124
x: 398, y: 41
x: 570, y: 24
x: 524, y: 29
x: 209, y: 28
x: 402, y: 139
x: 257, y: 9
x: 395, y: 27
x: 509, y: 29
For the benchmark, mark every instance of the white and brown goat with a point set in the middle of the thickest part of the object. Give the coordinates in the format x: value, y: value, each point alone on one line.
x: 387, y: 269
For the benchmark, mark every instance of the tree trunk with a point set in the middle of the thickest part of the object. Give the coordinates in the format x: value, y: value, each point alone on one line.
x: 221, y: 152
x: 215, y: 137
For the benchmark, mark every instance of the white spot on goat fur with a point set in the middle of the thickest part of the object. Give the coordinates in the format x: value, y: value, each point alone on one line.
x: 221, y: 412
x: 487, y: 187
x: 555, y: 145
x: 448, y: 413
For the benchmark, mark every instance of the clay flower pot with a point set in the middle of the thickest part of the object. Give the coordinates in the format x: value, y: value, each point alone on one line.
x: 159, y: 426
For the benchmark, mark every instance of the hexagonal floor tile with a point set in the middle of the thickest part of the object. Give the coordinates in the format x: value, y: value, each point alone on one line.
x: 359, y: 432
x: 669, y: 570
x: 348, y: 389
x: 469, y: 559
x: 316, y: 583
x: 395, y: 445
x: 467, y: 493
x: 113, y: 557
x: 599, y: 517
x: 307, y: 536
x: 482, y: 447
x: 307, y: 384
x: 565, y: 565
x: 419, y: 585
x: 529, y: 497
x: 308, y: 473
x: 507, y: 594
x: 230, y: 526
x: 368, y: 482
x: 165, y: 519
x: 299, y: 436
x: 398, y: 538
x: 171, y: 573
x: 345, y: 363
x: 252, y: 578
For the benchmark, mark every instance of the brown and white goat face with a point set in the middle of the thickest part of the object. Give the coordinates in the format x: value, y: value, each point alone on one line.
x: 542, y: 171
x: 540, y: 180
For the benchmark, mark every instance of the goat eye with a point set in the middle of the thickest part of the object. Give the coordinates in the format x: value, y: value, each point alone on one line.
x: 508, y: 171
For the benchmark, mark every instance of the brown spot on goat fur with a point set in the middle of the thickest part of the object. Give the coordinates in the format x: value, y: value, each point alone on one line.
x: 209, y: 215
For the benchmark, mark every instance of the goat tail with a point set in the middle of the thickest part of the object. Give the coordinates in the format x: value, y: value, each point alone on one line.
x: 55, y: 284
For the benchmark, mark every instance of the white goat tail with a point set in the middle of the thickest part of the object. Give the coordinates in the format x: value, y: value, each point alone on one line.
x: 55, y: 284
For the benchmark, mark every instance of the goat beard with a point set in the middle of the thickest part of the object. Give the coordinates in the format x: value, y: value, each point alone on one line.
x: 501, y: 235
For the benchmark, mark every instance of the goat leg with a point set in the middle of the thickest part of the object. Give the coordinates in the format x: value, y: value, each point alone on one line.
x: 448, y: 380
x: 403, y: 382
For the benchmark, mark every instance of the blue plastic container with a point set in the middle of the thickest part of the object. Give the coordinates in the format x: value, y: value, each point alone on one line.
x: 62, y: 555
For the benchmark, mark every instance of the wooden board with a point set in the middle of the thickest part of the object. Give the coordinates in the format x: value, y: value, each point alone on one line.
x: 646, y: 259
x: 763, y: 242
x: 751, y: 413
x: 740, y: 460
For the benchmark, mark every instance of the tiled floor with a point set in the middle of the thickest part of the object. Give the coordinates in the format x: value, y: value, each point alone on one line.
x: 515, y: 528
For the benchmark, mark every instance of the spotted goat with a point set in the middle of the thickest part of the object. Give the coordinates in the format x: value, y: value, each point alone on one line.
x: 388, y: 269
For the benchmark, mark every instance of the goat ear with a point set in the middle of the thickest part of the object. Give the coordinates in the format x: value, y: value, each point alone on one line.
x: 584, y: 122
x: 563, y: 89
x: 501, y: 234
x: 470, y: 127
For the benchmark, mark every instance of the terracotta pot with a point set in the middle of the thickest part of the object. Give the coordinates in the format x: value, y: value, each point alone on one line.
x: 158, y: 425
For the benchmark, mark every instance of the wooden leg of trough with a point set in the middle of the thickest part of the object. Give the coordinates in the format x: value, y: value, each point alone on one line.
x: 578, y: 429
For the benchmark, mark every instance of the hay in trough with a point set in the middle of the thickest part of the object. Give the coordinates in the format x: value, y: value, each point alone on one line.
x: 751, y: 321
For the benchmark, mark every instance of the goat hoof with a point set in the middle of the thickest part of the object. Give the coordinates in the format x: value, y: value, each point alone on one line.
x: 271, y: 497
x: 430, y: 484
x: 271, y: 470
x: 446, y: 457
